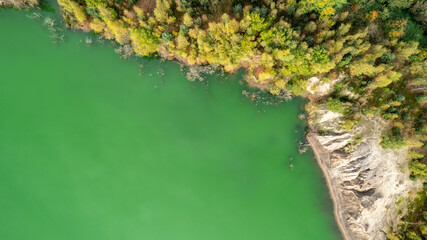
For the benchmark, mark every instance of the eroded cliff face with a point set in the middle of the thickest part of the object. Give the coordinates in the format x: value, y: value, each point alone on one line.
x: 367, y: 182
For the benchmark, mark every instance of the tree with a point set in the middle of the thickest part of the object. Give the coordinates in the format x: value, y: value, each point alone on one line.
x: 393, y: 141
x: 359, y: 68
x: 73, y: 8
x: 275, y: 38
x: 418, y: 169
x: 298, y: 86
x: 419, y: 12
x: 388, y: 57
x: 343, y: 29
x: 323, y: 7
x: 187, y: 20
x: 320, y: 55
x: 407, y: 49
x: 182, y: 41
x: 78, y: 11
x: 383, y: 80
x: 106, y: 13
x: 119, y: 29
x: 254, y: 23
x: 184, y: 29
x: 144, y: 41
x: 421, y: 98
x: 167, y: 36
x: 310, y: 27
x: 98, y: 26
x: 237, y: 9
x: 95, y: 3
x: 161, y: 10
x: 402, y: 4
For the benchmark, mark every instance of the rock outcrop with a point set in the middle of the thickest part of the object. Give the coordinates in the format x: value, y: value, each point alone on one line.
x: 366, y: 184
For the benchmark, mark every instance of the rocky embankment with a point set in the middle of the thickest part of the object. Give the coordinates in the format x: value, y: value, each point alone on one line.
x: 367, y: 183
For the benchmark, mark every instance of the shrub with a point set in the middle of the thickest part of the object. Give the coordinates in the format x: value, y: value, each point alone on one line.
x: 388, y: 57
x: 167, y: 36
x: 198, y: 21
x: 345, y: 61
x: 237, y: 9
x: 320, y: 55
x: 393, y: 142
x: 338, y: 87
x: 184, y: 29
x: 335, y: 105
x: 92, y: 12
x: 402, y: 4
x: 413, y: 32
x: 366, y: 111
x: 399, y: 98
x: 418, y: 169
x: 421, y: 98
x: 298, y: 87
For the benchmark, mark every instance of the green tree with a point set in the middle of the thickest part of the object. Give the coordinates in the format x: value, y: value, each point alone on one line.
x: 335, y: 105
x: 167, y: 36
x: 402, y: 4
x: 395, y: 140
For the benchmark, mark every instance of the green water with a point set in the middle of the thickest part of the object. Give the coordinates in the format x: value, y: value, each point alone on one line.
x: 93, y: 148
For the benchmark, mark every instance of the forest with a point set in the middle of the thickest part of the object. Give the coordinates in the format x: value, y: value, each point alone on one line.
x: 377, y: 50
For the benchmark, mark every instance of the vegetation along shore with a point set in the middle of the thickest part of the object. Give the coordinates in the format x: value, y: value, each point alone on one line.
x: 19, y: 4
x: 362, y: 64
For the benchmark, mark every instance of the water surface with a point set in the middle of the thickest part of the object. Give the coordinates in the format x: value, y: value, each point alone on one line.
x: 94, y: 147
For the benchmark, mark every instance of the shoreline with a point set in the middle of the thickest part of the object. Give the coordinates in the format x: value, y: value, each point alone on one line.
x: 320, y: 155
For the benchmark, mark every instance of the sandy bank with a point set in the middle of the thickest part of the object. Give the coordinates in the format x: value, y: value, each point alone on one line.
x: 321, y: 156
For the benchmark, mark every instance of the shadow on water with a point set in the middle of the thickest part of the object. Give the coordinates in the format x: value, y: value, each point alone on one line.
x: 48, y: 6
